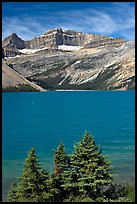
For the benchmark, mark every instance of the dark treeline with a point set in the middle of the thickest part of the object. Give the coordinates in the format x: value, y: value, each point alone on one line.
x: 20, y: 88
x: 86, y: 175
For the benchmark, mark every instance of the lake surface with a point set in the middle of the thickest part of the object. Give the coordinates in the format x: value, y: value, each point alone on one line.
x: 44, y: 119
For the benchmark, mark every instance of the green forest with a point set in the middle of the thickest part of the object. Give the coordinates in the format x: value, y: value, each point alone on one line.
x: 86, y: 175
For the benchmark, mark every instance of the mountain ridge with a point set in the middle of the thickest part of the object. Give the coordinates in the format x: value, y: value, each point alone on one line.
x: 54, y: 38
x: 98, y: 63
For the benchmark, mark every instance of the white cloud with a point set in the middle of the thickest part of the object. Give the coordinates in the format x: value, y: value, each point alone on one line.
x: 116, y: 20
x: 25, y: 27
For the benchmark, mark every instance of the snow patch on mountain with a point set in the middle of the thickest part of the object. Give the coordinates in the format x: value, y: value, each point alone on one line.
x: 69, y: 47
x: 30, y: 51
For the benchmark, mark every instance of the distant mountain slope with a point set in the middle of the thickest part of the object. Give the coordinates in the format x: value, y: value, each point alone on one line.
x: 99, y: 68
x: 11, y: 78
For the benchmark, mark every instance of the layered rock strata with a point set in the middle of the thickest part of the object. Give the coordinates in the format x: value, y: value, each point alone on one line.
x: 10, y: 50
x: 55, y: 37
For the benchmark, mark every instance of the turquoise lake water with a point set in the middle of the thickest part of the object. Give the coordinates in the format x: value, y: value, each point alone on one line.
x: 44, y: 119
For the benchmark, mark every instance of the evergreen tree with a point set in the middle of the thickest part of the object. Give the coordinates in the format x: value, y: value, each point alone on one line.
x: 34, y: 185
x: 61, y: 164
x: 12, y: 195
x: 76, y: 177
x: 45, y: 191
x: 61, y: 160
x: 44, y: 181
x: 89, y: 169
x: 29, y: 184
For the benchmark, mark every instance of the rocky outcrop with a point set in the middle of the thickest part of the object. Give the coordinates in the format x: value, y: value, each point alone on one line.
x: 10, y: 50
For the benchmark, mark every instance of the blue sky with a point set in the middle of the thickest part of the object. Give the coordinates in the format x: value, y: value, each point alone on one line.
x: 31, y: 19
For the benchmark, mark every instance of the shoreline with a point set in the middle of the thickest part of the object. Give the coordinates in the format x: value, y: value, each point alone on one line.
x: 68, y: 90
x: 92, y: 90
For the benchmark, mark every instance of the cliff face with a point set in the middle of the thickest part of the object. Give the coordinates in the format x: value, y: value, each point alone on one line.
x: 54, y: 38
x: 10, y: 50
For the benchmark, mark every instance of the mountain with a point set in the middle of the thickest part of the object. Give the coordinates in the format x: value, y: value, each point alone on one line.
x: 54, y: 38
x: 66, y: 59
x: 14, y: 40
x: 11, y: 78
x: 11, y: 44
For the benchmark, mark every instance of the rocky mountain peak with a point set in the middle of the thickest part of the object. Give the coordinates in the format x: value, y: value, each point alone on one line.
x: 13, y: 40
x: 14, y: 35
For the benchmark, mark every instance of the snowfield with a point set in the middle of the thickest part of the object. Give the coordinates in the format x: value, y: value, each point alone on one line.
x: 69, y: 47
x: 61, y: 47
x: 30, y: 51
